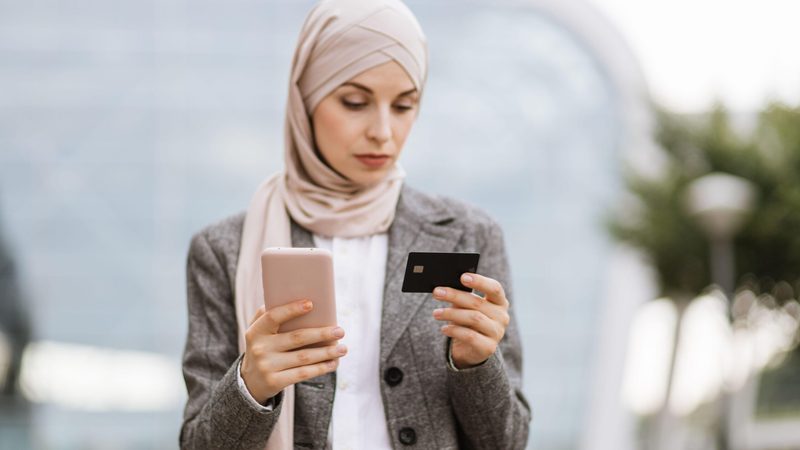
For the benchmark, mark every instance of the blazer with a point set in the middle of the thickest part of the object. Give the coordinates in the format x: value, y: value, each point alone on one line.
x: 428, y: 404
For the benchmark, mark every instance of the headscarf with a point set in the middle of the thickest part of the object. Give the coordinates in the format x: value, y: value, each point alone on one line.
x: 339, y: 40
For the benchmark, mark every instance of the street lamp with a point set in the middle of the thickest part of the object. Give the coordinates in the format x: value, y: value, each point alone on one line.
x: 720, y: 203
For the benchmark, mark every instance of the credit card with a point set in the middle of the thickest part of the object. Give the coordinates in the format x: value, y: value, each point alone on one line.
x: 427, y: 270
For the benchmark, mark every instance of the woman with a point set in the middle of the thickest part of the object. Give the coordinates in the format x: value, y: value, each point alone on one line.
x: 407, y: 370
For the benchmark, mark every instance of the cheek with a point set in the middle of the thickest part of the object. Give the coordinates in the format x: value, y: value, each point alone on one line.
x: 403, y: 128
x: 334, y: 131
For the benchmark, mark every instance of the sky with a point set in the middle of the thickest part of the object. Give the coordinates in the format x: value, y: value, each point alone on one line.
x: 695, y: 52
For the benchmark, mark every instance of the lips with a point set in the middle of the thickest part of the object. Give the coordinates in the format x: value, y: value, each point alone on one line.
x: 373, y: 160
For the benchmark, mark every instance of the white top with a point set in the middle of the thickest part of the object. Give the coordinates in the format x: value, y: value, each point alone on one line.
x: 359, y: 267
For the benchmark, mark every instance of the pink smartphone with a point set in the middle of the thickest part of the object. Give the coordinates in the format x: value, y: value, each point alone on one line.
x: 290, y: 274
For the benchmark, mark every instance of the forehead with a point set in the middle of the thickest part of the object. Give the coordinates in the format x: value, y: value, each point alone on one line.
x: 388, y: 77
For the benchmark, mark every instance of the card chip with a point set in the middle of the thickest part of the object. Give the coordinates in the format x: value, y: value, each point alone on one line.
x: 419, y: 269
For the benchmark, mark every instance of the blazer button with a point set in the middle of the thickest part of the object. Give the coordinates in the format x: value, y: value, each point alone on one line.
x: 408, y: 436
x: 393, y: 376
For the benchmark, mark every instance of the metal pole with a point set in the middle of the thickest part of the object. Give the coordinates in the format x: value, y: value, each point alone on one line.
x: 723, y: 273
x: 723, y: 266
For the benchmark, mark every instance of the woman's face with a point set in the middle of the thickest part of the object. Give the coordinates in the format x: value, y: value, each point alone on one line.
x: 361, y: 126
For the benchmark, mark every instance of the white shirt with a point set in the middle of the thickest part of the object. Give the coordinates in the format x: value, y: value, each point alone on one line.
x: 359, y: 267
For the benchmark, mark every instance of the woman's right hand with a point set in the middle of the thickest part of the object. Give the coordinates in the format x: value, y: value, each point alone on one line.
x: 272, y: 360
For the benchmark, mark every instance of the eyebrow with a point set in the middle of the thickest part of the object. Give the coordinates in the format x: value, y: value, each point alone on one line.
x: 364, y: 88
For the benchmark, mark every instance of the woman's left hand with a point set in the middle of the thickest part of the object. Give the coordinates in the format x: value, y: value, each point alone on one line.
x: 476, y: 324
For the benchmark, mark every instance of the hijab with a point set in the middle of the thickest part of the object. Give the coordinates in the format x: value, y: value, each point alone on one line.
x: 339, y: 40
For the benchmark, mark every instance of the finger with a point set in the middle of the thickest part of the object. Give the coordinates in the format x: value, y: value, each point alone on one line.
x: 259, y: 313
x: 459, y: 298
x: 298, y: 374
x: 472, y: 319
x: 491, y: 288
x: 468, y: 300
x: 272, y: 318
x: 306, y: 357
x: 480, y: 343
x: 306, y: 336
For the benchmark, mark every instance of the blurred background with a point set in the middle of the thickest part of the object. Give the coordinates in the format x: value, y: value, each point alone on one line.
x: 642, y: 158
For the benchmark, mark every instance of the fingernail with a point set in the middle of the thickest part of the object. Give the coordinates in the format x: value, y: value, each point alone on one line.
x: 332, y: 363
x: 307, y: 305
x: 466, y: 278
x: 338, y: 332
x: 439, y: 292
x: 341, y: 349
x: 437, y: 312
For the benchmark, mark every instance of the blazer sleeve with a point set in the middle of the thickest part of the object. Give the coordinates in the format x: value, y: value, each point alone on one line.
x: 487, y: 399
x: 218, y: 414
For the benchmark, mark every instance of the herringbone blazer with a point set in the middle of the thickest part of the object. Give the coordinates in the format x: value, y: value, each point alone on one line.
x: 432, y: 406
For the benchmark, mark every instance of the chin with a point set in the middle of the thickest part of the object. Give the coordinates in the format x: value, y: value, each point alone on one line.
x: 370, y: 179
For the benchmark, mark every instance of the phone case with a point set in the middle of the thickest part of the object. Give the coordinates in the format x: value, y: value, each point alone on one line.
x: 290, y: 274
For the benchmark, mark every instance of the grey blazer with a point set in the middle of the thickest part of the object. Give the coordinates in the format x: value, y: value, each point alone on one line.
x: 428, y: 405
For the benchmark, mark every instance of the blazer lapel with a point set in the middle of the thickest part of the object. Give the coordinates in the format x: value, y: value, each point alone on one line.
x: 419, y: 225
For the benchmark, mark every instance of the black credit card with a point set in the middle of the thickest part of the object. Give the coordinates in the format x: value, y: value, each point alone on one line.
x: 427, y: 270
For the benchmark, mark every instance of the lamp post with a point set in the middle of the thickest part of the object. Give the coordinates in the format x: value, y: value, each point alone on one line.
x: 720, y: 203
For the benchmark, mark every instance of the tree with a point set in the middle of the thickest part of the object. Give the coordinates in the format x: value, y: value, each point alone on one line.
x: 767, y: 248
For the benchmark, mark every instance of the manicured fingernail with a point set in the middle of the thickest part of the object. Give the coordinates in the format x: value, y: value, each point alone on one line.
x: 437, y: 312
x: 341, y: 349
x: 338, y: 332
x: 439, y: 292
x: 466, y: 278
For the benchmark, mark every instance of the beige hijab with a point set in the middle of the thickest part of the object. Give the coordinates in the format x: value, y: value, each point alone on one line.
x: 339, y: 40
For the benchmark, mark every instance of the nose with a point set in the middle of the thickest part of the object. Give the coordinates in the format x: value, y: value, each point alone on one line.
x: 380, y: 128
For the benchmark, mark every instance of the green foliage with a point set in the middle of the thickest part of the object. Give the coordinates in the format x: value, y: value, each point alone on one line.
x: 768, y: 247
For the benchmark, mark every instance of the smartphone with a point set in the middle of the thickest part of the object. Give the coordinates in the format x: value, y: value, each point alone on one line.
x: 427, y: 270
x: 290, y: 274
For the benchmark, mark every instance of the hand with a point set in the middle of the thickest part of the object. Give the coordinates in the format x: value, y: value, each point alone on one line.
x: 271, y: 359
x: 475, y: 324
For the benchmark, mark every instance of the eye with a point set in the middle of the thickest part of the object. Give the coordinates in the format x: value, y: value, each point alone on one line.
x: 403, y: 108
x: 353, y: 105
